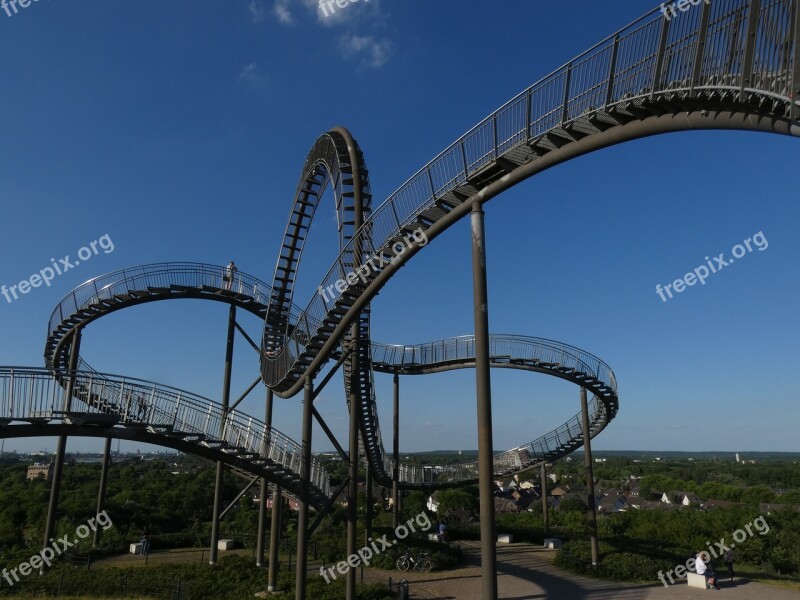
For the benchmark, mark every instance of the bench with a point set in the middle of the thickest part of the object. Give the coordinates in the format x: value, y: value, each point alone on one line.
x: 225, y: 544
x: 695, y: 580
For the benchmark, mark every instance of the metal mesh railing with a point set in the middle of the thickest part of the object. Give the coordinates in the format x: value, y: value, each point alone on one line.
x: 653, y: 55
x: 36, y: 395
x: 103, y: 394
x: 548, y: 354
x: 158, y: 276
x: 516, y: 347
x: 585, y: 84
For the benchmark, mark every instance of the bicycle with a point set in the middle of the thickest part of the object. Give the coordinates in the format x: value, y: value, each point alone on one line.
x: 420, y: 562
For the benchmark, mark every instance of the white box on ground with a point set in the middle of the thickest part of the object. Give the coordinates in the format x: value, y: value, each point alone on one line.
x: 224, y: 544
x: 136, y: 548
x: 552, y: 543
x: 504, y: 538
x: 695, y: 580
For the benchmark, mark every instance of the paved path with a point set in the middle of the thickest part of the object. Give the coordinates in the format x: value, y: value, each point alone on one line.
x: 526, y: 572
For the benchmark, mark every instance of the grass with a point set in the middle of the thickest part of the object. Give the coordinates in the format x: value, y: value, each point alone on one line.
x: 35, y: 595
x: 174, y: 556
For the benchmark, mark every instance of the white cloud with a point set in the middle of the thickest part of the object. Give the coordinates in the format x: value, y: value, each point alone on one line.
x: 373, y: 52
x: 282, y: 12
x: 250, y: 73
x: 257, y: 11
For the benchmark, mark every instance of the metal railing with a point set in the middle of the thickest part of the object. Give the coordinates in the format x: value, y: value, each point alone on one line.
x: 554, y: 444
x: 35, y: 395
x: 548, y: 354
x: 747, y: 46
x: 157, y: 276
x: 501, y: 347
x: 207, y: 420
x: 649, y: 56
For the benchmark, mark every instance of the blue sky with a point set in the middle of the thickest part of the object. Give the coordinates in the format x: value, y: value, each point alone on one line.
x: 179, y: 129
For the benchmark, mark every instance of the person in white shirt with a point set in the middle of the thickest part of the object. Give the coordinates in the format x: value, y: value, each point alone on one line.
x: 230, y: 273
x: 702, y: 569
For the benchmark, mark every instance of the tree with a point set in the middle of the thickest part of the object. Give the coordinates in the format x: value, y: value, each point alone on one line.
x: 453, y: 500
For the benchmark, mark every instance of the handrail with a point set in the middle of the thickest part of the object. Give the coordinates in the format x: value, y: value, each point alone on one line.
x: 543, y: 107
x: 30, y: 393
x: 413, y: 359
x: 649, y: 59
x: 463, y: 347
x: 409, y: 359
x: 139, y: 278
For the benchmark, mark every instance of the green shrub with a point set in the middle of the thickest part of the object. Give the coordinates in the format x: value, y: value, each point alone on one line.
x: 613, y: 563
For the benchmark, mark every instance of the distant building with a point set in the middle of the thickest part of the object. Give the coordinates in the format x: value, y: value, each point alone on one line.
x: 680, y: 498
x: 612, y: 503
x: 39, y: 471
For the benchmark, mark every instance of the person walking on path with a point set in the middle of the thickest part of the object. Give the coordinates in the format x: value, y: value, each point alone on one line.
x: 729, y: 561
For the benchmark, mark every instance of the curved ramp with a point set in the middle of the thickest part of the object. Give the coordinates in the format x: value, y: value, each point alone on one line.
x: 169, y: 281
x: 33, y: 403
x: 148, y: 283
x: 510, y: 352
x: 727, y: 64
x: 719, y: 66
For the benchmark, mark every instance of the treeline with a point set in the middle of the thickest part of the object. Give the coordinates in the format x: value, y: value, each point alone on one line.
x: 769, y: 481
x: 175, y: 509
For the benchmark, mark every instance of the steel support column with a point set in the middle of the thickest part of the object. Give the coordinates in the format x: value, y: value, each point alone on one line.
x: 587, y: 462
x: 101, y: 494
x: 262, y: 500
x: 352, y: 497
x: 58, y: 467
x: 396, y: 453
x: 370, y: 504
x: 484, y: 405
x: 544, y: 498
x: 274, y: 538
x: 226, y: 399
x: 305, y: 484
x: 238, y: 497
